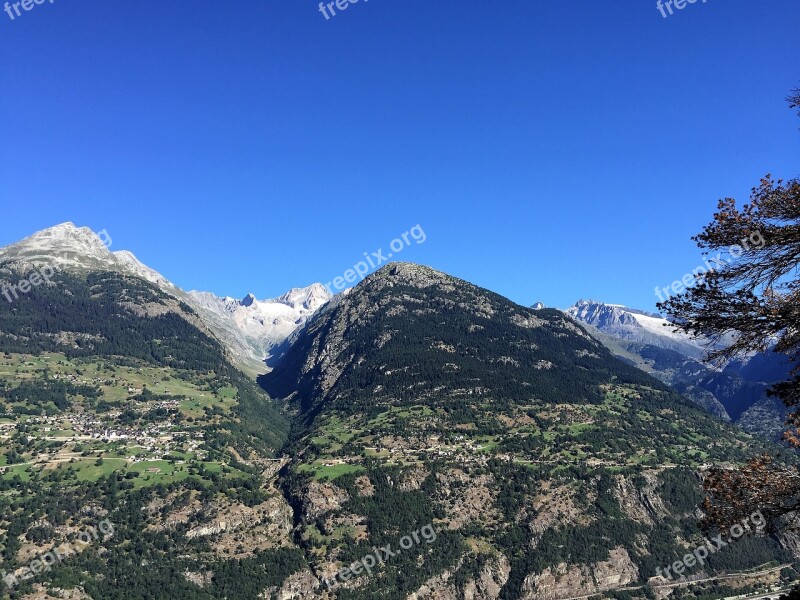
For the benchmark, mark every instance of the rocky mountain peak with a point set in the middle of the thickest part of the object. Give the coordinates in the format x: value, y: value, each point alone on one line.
x: 602, y: 315
x: 308, y: 298
x: 62, y: 245
x: 405, y: 273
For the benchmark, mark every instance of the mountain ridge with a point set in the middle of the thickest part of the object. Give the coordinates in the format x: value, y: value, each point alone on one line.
x: 734, y: 391
x: 250, y: 335
x: 416, y: 401
x: 422, y: 398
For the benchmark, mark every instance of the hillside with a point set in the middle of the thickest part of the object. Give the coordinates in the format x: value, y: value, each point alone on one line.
x: 253, y: 332
x: 117, y: 406
x: 521, y: 457
x: 736, y: 391
x: 549, y: 468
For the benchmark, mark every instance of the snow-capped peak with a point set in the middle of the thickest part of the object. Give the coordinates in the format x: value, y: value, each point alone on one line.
x: 262, y: 324
x: 635, y: 325
x: 308, y: 298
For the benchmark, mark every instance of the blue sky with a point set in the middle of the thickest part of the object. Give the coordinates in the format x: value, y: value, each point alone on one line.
x: 550, y: 150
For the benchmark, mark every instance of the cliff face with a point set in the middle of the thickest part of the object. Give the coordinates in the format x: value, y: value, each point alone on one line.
x: 573, y: 581
x: 485, y: 585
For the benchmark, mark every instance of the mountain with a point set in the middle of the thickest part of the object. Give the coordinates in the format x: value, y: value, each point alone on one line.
x: 734, y: 391
x: 547, y: 467
x: 420, y: 437
x: 253, y: 332
x: 62, y: 246
x: 128, y: 263
x: 264, y: 325
x: 120, y: 411
x: 637, y: 326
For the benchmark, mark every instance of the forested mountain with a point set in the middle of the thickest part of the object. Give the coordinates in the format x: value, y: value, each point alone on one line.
x: 252, y: 331
x: 550, y: 468
x: 117, y: 407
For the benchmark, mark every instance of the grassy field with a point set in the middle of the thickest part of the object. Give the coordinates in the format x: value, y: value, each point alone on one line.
x: 194, y: 405
x: 120, y: 386
x: 117, y: 383
x: 322, y: 471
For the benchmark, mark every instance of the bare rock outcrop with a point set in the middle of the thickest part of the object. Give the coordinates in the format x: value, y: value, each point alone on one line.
x: 642, y: 504
x: 320, y: 497
x: 573, y: 581
x: 486, y: 586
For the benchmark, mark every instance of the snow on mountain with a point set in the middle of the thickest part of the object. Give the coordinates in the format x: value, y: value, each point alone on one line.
x: 264, y: 324
x: 633, y: 325
x: 307, y: 298
x: 734, y: 391
x: 250, y: 329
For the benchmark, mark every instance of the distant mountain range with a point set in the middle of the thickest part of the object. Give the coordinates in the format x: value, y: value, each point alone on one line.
x: 637, y: 326
x: 734, y: 391
x: 263, y: 326
x: 257, y: 333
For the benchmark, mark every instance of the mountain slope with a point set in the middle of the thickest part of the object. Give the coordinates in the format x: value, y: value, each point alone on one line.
x: 737, y: 391
x: 636, y: 326
x: 118, y: 406
x: 494, y: 450
x: 252, y: 331
x: 536, y: 455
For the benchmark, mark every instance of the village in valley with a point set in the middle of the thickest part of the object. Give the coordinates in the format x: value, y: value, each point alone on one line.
x: 143, y: 420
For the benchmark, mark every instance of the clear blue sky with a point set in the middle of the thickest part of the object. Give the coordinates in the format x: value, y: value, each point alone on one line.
x: 550, y: 150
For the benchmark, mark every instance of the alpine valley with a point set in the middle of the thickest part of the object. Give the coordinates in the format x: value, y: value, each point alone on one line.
x: 250, y: 448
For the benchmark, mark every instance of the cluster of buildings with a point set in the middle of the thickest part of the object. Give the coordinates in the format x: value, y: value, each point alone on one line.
x: 152, y: 440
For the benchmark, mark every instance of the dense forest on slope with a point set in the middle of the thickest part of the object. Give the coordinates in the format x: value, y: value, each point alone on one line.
x: 423, y: 399
x: 105, y: 314
x: 419, y: 402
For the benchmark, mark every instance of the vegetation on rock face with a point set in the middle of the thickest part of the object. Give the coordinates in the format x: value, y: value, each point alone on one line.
x: 423, y: 398
x: 124, y: 320
x: 418, y: 401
